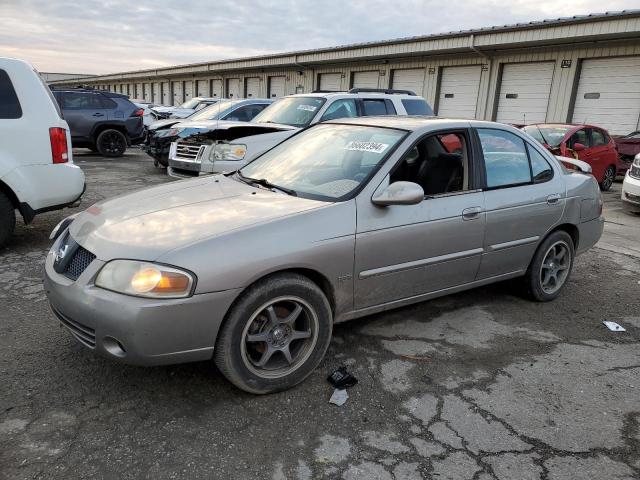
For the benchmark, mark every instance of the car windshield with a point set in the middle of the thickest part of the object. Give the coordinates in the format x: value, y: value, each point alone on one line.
x: 213, y: 111
x: 326, y: 162
x: 294, y: 111
x: 633, y: 135
x: 549, y: 135
x: 193, y: 103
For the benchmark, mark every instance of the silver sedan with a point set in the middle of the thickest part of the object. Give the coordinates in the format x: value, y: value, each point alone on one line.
x: 342, y: 220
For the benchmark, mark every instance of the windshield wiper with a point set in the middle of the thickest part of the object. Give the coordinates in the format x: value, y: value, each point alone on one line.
x: 267, y: 184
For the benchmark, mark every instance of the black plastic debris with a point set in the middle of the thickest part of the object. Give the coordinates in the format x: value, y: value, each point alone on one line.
x: 342, y: 379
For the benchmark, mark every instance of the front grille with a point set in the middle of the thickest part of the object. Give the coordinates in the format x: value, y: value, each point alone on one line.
x: 83, y: 334
x: 188, y: 152
x: 632, y: 197
x: 635, y: 172
x: 82, y: 258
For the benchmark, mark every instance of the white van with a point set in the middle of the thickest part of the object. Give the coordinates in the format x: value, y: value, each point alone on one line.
x: 37, y: 173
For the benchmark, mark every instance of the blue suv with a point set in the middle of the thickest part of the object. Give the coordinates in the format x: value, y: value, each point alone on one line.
x: 102, y: 121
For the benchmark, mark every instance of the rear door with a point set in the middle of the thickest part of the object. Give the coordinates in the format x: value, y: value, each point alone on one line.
x: 524, y: 198
x: 604, y: 153
x: 81, y: 111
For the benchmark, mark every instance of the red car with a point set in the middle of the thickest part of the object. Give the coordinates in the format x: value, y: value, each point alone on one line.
x: 628, y: 146
x: 588, y: 143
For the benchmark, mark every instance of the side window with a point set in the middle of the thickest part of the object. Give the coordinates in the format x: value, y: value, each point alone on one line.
x: 505, y: 158
x: 78, y: 100
x: 438, y: 163
x: 245, y: 114
x: 598, y: 137
x: 345, y: 108
x: 416, y: 107
x: 107, y: 102
x: 374, y: 107
x: 579, y: 137
x: 540, y: 168
x: 391, y: 110
x: 9, y: 104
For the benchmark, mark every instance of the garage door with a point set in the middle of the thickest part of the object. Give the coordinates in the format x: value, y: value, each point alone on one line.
x: 215, y: 87
x: 459, y: 91
x: 253, y: 87
x: 139, y: 93
x: 608, y: 94
x: 177, y: 93
x: 201, y: 88
x: 331, y: 82
x: 157, y: 98
x: 366, y: 79
x: 166, y: 94
x: 233, y: 88
x: 276, y: 87
x: 524, y: 92
x: 147, y: 92
x: 188, y: 90
x: 409, y: 79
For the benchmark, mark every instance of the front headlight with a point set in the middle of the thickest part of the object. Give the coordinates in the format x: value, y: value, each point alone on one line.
x: 227, y: 151
x: 143, y: 279
x: 636, y: 161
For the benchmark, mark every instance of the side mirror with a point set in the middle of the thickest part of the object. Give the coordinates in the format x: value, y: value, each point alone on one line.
x: 399, y: 193
x: 578, y: 147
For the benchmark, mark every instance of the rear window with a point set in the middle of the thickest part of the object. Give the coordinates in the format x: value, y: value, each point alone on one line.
x: 9, y: 104
x: 416, y: 107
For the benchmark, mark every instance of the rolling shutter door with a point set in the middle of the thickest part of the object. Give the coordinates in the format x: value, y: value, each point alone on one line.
x: 157, y: 98
x: 166, y: 94
x: 139, y: 93
x: 177, y: 93
x: 201, y: 88
x: 366, y: 79
x: 608, y: 94
x: 276, y: 87
x: 216, y: 88
x: 459, y: 92
x: 330, y: 82
x: 233, y: 88
x: 409, y: 79
x: 253, y: 87
x: 188, y: 90
x: 147, y: 92
x: 524, y: 92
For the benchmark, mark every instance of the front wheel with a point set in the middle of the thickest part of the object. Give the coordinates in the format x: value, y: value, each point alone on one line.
x: 550, y: 267
x: 111, y: 143
x: 275, y: 335
x: 608, y: 179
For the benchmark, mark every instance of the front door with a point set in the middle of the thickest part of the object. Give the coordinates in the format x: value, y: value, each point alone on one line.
x: 524, y: 198
x: 404, y: 251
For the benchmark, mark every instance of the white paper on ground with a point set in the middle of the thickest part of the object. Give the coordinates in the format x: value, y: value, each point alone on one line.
x: 614, y: 327
x: 339, y: 397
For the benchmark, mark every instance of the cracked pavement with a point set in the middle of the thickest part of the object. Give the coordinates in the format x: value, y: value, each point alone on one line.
x: 479, y: 385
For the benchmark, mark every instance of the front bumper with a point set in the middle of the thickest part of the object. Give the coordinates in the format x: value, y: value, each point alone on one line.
x: 630, y: 195
x: 134, y: 330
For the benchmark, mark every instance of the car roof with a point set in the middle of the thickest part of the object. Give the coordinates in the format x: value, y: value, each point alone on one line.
x: 319, y: 94
x: 404, y: 122
x: 564, y: 125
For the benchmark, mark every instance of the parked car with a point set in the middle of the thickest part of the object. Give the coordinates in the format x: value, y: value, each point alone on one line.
x: 628, y: 146
x: 227, y: 146
x: 161, y: 133
x: 147, y: 118
x: 101, y: 121
x: 584, y: 142
x: 37, y: 173
x: 184, y: 110
x: 631, y: 187
x: 253, y: 268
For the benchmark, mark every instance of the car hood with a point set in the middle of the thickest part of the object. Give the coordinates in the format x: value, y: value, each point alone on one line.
x: 166, y: 123
x: 149, y: 223
x: 227, y: 124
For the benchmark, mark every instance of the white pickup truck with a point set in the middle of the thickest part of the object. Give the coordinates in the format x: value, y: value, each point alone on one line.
x: 37, y: 173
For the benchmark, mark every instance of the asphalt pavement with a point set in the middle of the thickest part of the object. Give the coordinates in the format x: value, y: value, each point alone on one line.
x: 479, y: 385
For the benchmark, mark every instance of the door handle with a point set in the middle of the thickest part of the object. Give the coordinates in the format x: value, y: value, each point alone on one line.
x: 471, y: 213
x: 553, y: 198
x: 98, y: 114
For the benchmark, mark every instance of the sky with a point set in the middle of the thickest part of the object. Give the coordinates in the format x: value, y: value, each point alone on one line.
x: 108, y: 36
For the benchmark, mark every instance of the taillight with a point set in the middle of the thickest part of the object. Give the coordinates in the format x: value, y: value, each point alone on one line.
x: 138, y: 113
x: 59, y: 148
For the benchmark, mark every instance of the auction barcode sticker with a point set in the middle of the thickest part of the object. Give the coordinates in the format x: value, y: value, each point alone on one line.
x: 373, y: 147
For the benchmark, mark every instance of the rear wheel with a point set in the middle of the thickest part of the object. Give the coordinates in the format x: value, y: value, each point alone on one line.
x: 275, y: 335
x: 608, y: 179
x: 7, y: 219
x: 111, y: 143
x: 550, y: 267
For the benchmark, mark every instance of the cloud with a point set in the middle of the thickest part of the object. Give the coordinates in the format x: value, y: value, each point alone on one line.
x: 103, y: 36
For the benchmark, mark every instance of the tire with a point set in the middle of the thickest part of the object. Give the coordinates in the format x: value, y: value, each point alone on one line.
x: 544, y: 267
x: 111, y: 143
x: 253, y: 329
x: 7, y: 219
x: 608, y: 179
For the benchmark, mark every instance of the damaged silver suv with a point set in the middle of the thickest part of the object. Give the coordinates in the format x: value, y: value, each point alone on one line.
x: 227, y: 146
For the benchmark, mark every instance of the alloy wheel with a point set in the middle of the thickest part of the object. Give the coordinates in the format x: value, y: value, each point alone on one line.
x: 609, y: 177
x: 555, y: 267
x: 113, y: 143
